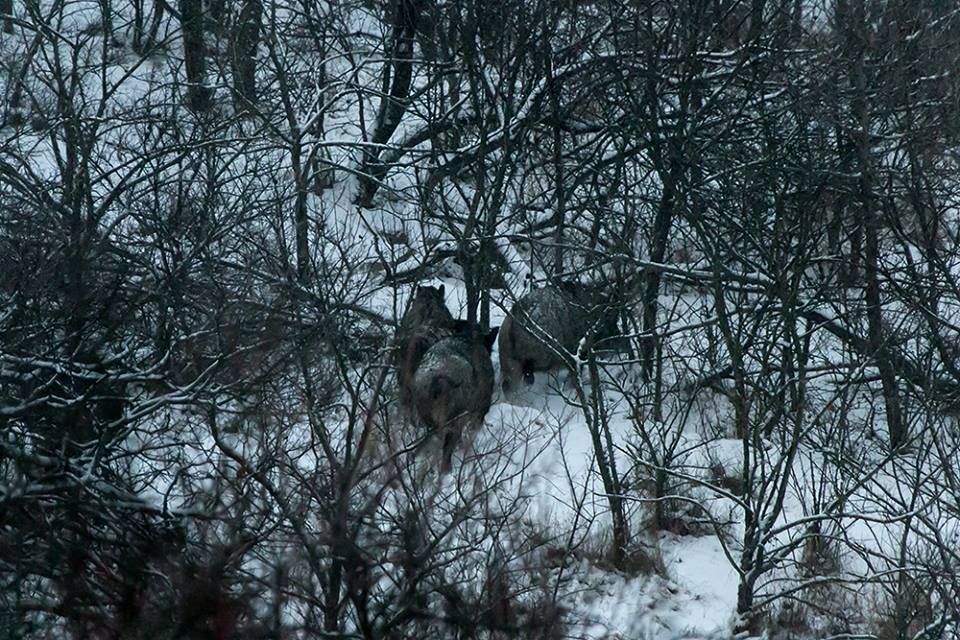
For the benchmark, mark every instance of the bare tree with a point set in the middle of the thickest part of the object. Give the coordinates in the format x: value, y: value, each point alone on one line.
x: 243, y: 48
x: 199, y: 94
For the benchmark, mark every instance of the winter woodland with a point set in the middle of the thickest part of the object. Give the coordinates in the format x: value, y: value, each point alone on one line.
x: 480, y: 319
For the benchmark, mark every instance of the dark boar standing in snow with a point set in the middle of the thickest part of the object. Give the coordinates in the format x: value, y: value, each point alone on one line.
x: 426, y: 321
x: 453, y: 386
x: 550, y: 321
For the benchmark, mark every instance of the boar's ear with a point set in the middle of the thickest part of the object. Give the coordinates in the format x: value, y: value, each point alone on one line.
x: 461, y: 327
x: 490, y: 338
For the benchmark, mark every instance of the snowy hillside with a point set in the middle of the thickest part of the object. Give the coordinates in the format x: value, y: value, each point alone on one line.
x: 484, y: 319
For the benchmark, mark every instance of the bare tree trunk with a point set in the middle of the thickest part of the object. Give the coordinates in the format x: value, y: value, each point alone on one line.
x: 869, y: 223
x: 397, y: 75
x: 604, y: 452
x: 191, y: 22
x: 158, y: 12
x: 243, y: 54
x: 331, y: 609
x: 559, y: 214
x: 322, y: 174
x: 144, y: 36
x: 660, y: 234
x: 671, y: 152
x: 138, y: 17
x: 16, y: 92
x: 106, y: 18
x: 6, y: 8
x: 875, y: 333
x: 300, y: 218
x: 218, y: 11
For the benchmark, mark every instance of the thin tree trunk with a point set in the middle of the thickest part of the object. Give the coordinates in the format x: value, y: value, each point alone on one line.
x: 6, y: 8
x: 660, y: 234
x: 218, y: 11
x: 331, y: 610
x: 191, y: 23
x: 604, y: 453
x: 138, y: 15
x: 144, y: 36
x: 869, y: 223
x: 158, y: 11
x: 16, y: 93
x: 243, y: 54
x: 106, y: 18
x: 301, y: 220
x: 397, y: 76
x: 559, y: 215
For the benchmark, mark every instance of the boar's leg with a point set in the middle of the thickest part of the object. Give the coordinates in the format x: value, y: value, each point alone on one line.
x: 528, y: 368
x: 450, y: 441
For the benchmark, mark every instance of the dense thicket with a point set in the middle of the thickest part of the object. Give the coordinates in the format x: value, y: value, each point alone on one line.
x: 207, y: 210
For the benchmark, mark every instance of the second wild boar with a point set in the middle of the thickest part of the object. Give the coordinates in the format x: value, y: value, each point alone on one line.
x: 426, y: 321
x: 453, y: 387
x: 547, y: 323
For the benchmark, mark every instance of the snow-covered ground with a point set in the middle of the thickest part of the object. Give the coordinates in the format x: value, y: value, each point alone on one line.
x: 536, y: 449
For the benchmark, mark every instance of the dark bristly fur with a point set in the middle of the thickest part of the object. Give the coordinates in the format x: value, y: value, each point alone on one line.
x: 426, y: 322
x: 547, y: 320
x: 453, y: 386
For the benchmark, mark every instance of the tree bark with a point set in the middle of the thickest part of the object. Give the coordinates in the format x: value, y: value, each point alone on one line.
x: 243, y: 54
x: 300, y: 215
x: 397, y: 75
x: 191, y: 23
x: 868, y: 221
x: 6, y: 8
x: 106, y: 18
x: 144, y: 36
x: 660, y: 234
x: 604, y: 453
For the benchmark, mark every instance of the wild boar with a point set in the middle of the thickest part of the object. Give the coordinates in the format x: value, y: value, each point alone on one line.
x: 426, y: 321
x: 453, y: 387
x: 548, y: 322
